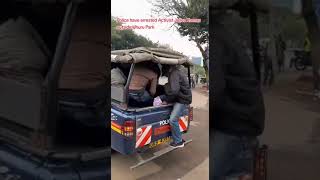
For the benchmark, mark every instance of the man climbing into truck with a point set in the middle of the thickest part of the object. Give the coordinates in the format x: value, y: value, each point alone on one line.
x: 178, y: 92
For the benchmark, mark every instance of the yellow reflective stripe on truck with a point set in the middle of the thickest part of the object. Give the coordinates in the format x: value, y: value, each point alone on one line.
x: 116, y: 128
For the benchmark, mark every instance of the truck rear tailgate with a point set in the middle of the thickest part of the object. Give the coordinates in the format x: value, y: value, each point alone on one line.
x: 138, y: 129
x: 153, y: 128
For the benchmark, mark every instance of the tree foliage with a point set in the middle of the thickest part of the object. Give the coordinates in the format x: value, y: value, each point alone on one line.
x: 290, y: 26
x: 184, y: 9
x: 197, y: 69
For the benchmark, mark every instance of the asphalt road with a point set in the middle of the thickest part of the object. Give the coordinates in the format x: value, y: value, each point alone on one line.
x: 292, y: 131
x: 190, y: 162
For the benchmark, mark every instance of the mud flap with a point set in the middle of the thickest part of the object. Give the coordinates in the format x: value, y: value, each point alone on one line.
x: 142, y: 161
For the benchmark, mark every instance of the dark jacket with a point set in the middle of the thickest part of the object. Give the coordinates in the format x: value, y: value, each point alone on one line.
x: 238, y: 106
x: 178, y: 88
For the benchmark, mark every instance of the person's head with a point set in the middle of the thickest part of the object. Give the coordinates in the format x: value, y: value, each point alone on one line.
x: 165, y: 69
x: 155, y: 68
x: 151, y: 66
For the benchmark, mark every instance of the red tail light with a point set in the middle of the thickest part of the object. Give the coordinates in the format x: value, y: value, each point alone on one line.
x: 190, y: 113
x: 128, y: 128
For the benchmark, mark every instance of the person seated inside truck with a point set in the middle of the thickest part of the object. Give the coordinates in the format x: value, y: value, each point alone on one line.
x: 178, y: 92
x: 83, y: 80
x: 143, y: 84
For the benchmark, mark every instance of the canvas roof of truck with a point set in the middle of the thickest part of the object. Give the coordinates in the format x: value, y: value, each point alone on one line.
x: 157, y: 55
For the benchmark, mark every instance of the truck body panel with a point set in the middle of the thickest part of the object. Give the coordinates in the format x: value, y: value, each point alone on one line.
x: 151, y: 127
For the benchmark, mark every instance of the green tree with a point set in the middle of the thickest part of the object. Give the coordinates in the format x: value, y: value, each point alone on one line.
x: 183, y: 9
x: 294, y: 29
x: 290, y: 26
x: 197, y: 69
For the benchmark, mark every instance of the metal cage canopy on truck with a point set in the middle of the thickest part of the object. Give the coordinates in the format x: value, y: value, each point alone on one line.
x: 144, y: 54
x: 156, y: 55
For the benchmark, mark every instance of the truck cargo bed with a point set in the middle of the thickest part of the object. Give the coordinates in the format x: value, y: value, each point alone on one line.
x: 150, y: 127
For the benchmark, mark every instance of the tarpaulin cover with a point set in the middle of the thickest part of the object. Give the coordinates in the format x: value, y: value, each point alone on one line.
x: 157, y: 55
x: 23, y: 54
x: 117, y: 77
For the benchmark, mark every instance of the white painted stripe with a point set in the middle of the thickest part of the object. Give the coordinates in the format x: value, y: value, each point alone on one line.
x: 143, y: 136
x: 139, y: 137
x: 149, y: 140
x: 185, y: 121
x: 148, y: 129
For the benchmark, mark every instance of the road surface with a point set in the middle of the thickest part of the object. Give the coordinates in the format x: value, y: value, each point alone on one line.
x: 292, y: 132
x: 188, y: 163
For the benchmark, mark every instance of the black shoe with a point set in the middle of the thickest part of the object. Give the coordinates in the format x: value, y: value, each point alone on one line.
x: 177, y: 145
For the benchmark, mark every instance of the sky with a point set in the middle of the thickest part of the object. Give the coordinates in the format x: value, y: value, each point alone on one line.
x: 161, y: 33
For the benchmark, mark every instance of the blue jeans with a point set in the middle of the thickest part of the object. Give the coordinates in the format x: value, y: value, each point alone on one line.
x: 140, y: 98
x: 174, y: 121
x: 233, y: 156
